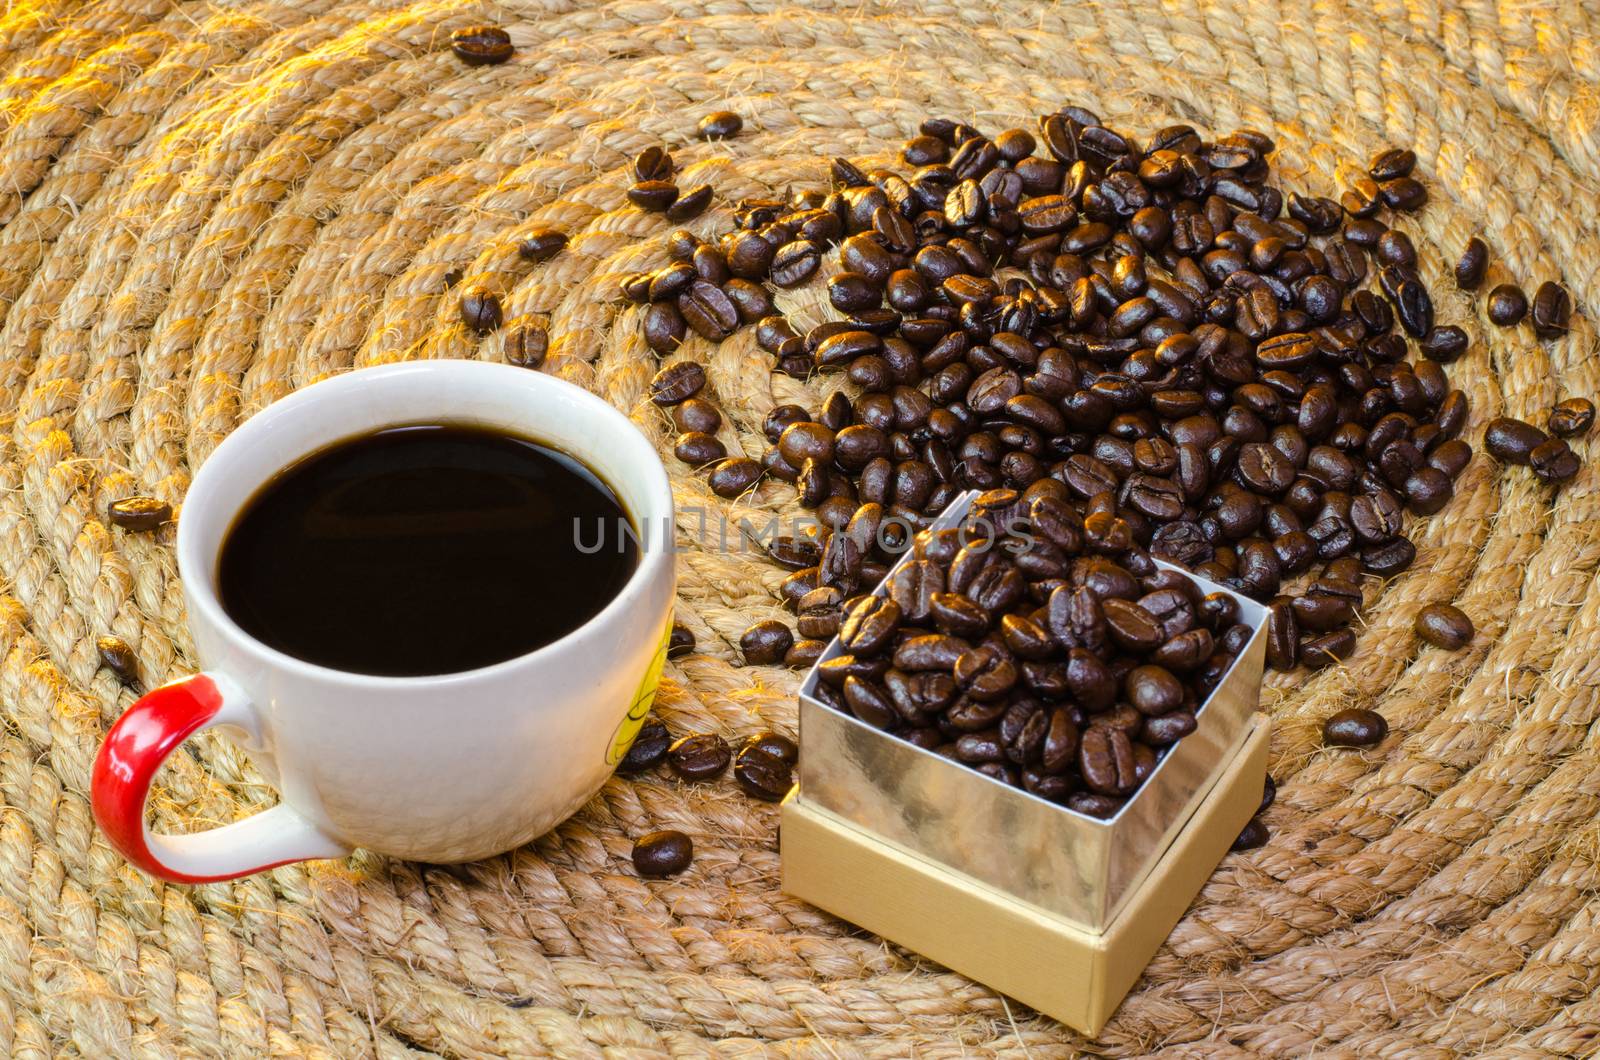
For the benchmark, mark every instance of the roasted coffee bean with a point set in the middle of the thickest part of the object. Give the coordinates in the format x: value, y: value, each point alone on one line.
x: 1326, y: 649
x: 661, y: 854
x: 1445, y: 626
x: 1253, y: 834
x: 697, y: 448
x: 542, y: 244
x: 795, y: 263
x: 1356, y: 727
x: 765, y: 643
x: 680, y: 642
x: 677, y: 382
x: 731, y: 477
x: 117, y: 656
x: 1283, y: 634
x: 1507, y: 305
x: 139, y: 514
x: 664, y: 328
x: 708, y: 310
x: 719, y: 125
x: 653, y: 163
x: 1512, y: 441
x: 526, y: 346
x: 699, y: 757
x: 1269, y: 794
x: 648, y: 750
x: 1553, y: 462
x: 653, y: 195
x: 690, y: 204
x: 1571, y: 417
x: 1105, y: 759
x: 480, y: 310
x: 763, y: 776
x: 693, y: 414
x: 773, y: 744
x: 1552, y: 310
x: 869, y: 625
x: 933, y: 651
x: 1474, y: 261
x: 481, y: 45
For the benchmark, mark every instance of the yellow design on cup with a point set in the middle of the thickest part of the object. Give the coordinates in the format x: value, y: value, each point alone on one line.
x: 642, y: 699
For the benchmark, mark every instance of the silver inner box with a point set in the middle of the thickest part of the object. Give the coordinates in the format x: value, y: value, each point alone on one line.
x: 1077, y: 867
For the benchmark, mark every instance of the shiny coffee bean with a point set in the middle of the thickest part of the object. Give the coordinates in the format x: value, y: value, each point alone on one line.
x: 763, y: 776
x: 1472, y: 264
x: 719, y: 125
x: 699, y: 757
x: 1445, y: 626
x: 138, y: 514
x: 648, y: 750
x: 1571, y: 417
x: 765, y: 643
x: 1507, y: 305
x: 664, y: 853
x: 680, y: 642
x: 1512, y: 441
x: 1552, y: 310
x: 1554, y: 462
x: 117, y: 656
x: 481, y: 45
x: 677, y: 382
x: 1356, y: 727
x: 1254, y: 834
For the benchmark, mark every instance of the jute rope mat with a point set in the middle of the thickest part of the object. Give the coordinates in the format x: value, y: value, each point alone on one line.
x: 207, y: 205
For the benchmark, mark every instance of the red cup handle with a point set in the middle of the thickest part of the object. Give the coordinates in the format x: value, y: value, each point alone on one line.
x: 134, y: 749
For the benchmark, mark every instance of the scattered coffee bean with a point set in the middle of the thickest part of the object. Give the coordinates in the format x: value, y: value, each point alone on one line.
x: 1254, y: 834
x: 1507, y: 305
x: 664, y: 853
x: 763, y: 776
x: 1269, y: 795
x: 690, y: 204
x: 1512, y: 441
x: 1572, y: 417
x: 1444, y: 626
x: 699, y: 757
x: 1554, y: 462
x: 480, y: 310
x: 526, y: 346
x: 696, y: 448
x: 680, y: 642
x: 1356, y: 727
x: 481, y: 45
x: 653, y: 163
x: 1472, y: 265
x: 677, y: 382
x: 648, y: 750
x: 542, y: 244
x: 117, y: 656
x: 654, y: 196
x: 774, y: 744
x: 731, y: 477
x: 1552, y: 310
x: 719, y: 125
x: 139, y: 514
x: 765, y: 643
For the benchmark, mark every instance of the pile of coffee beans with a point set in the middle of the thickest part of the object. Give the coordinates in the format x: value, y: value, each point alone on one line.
x: 1253, y: 377
x: 1038, y: 644
x: 653, y: 188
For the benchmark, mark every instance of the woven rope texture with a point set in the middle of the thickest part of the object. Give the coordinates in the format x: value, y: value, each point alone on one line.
x: 204, y: 206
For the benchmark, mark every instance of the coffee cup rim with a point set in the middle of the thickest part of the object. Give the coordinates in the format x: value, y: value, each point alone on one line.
x: 614, y: 433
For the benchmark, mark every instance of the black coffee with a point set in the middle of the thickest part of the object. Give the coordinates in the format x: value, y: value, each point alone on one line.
x: 424, y: 550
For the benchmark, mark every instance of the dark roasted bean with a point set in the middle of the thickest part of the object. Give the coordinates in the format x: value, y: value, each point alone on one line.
x: 765, y: 643
x: 1552, y: 310
x: 648, y: 750
x: 664, y: 853
x: 763, y: 776
x: 138, y: 514
x: 677, y: 382
x: 1512, y: 441
x: 1553, y: 461
x: 1571, y: 417
x: 719, y: 125
x: 680, y: 642
x: 1507, y: 305
x: 699, y: 757
x: 1474, y: 261
x: 481, y: 45
x: 1356, y: 727
x: 542, y: 244
x: 731, y: 477
x: 1445, y: 626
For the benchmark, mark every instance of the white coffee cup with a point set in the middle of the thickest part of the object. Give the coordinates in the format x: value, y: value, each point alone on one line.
x: 447, y: 768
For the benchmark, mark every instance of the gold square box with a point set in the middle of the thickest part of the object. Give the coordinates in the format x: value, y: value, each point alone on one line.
x: 1063, y: 970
